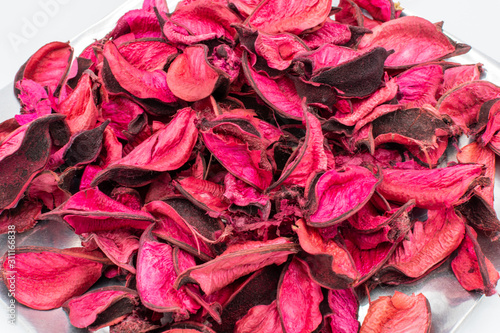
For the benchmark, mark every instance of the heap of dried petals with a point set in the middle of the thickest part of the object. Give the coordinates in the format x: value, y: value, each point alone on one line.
x: 250, y: 166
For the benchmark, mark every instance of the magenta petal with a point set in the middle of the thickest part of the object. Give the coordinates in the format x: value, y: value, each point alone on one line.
x: 155, y: 278
x: 298, y: 299
x: 338, y: 194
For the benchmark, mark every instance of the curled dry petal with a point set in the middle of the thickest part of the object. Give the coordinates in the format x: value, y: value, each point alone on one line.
x: 431, y: 189
x: 309, y: 158
x: 101, y: 307
x: 203, y: 193
x: 34, y: 101
x: 23, y: 217
x: 91, y: 210
x: 455, y: 76
x: 428, y: 243
x: 260, y: 319
x: 399, y: 313
x: 156, y: 272
x: 147, y: 54
x: 475, y: 153
x: 344, y: 305
x: 236, y: 262
x: 358, y: 77
x: 45, y: 187
x: 167, y: 149
x: 298, y: 299
x: 120, y: 246
x: 142, y: 84
x: 280, y: 93
x: 336, y: 195
x: 275, y: 16
x: 48, y: 66
x: 381, y: 10
x: 419, y: 85
x: 48, y: 277
x: 424, y: 42
x: 139, y: 23
x: 331, y: 32
x: 279, y: 50
x: 175, y: 231
x: 22, y: 157
x: 330, y: 264
x: 207, y: 18
x: 191, y: 77
x: 79, y: 107
x: 240, y: 151
x: 463, y: 103
x: 416, y: 126
x: 471, y: 267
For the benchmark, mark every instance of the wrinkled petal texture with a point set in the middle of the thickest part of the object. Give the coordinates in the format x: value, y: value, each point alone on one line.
x: 399, y: 313
x: 341, y: 193
x: 260, y: 319
x: 431, y: 189
x: 156, y: 276
x: 275, y: 16
x: 84, y: 310
x: 139, y: 83
x: 428, y: 243
x: 414, y: 39
x: 236, y: 262
x: 298, y: 299
x: 169, y: 148
x: 190, y: 76
x: 47, y: 278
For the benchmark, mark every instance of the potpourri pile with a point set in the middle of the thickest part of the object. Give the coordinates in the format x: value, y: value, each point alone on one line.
x: 251, y: 166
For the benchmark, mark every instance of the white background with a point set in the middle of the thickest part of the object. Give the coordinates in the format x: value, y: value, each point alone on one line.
x: 27, y: 25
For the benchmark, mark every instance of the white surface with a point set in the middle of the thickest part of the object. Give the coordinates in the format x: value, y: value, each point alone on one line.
x: 27, y: 25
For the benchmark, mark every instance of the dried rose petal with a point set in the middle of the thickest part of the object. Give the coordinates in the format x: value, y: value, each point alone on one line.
x: 344, y: 306
x: 431, y: 189
x: 275, y: 16
x: 424, y: 43
x: 399, y: 313
x: 79, y: 107
x: 247, y: 159
x: 155, y: 271
x: 463, y: 102
x: 48, y: 277
x: 428, y: 243
x: 330, y: 264
x: 48, y: 66
x: 298, y: 299
x: 236, y: 262
x: 473, y: 270
x: 100, y: 308
x: 347, y: 189
x: 22, y: 157
x: 260, y: 319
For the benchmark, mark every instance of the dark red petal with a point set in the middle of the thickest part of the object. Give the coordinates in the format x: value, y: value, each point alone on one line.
x: 473, y: 270
x: 236, y: 262
x: 101, y: 307
x: 22, y: 161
